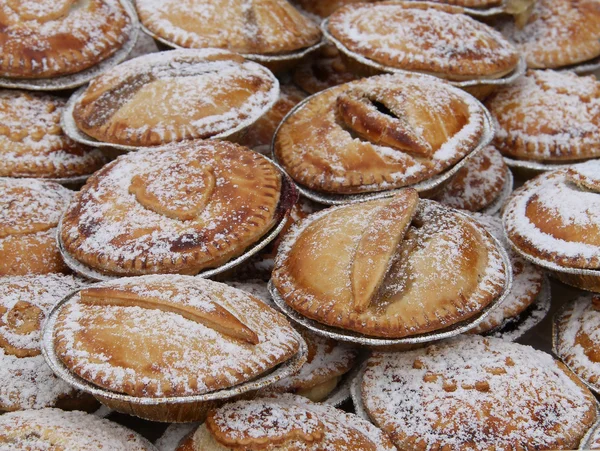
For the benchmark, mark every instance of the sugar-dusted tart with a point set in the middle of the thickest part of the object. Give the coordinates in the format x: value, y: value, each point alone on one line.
x: 53, y: 429
x: 284, y: 422
x: 421, y: 37
x: 166, y: 336
x: 50, y: 38
x: 29, y: 213
x: 477, y: 184
x: 204, y: 93
x: 548, y: 116
x: 476, y: 393
x: 179, y: 208
x: 264, y: 27
x: 32, y: 142
x: 558, y: 33
x: 392, y: 268
x: 379, y: 133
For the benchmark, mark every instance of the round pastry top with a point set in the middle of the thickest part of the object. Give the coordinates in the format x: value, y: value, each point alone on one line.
x: 477, y: 392
x: 68, y: 431
x: 166, y: 336
x: 50, y: 38
x: 422, y: 37
x: 32, y: 142
x: 206, y: 93
x: 179, y: 208
x: 556, y: 216
x: 548, y: 116
x: 267, y: 27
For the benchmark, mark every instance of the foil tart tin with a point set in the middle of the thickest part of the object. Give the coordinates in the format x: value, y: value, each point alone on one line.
x: 587, y: 440
x: 585, y: 68
x: 341, y: 393
x: 533, y: 168
x: 289, y: 197
x: 499, y: 202
x: 75, y: 80
x: 356, y: 394
x: 174, y: 434
x: 180, y: 409
x: 425, y: 188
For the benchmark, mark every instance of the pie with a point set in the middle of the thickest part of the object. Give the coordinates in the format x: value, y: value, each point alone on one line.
x: 29, y: 213
x: 379, y: 133
x: 548, y: 116
x: 321, y: 8
x: 32, y: 142
x: 51, y: 38
x: 285, y: 422
x: 421, y: 37
x: 393, y: 268
x: 476, y: 393
x: 179, y: 208
x: 264, y: 27
x: 203, y: 94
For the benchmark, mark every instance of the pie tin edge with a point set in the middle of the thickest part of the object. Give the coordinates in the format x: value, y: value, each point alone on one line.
x: 356, y: 393
x: 341, y: 393
x: 586, y: 441
x: 536, y: 166
x: 507, y: 188
x: 583, y: 68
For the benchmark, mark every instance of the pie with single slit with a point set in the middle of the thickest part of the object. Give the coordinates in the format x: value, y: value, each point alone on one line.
x: 205, y: 93
x: 179, y: 208
x: 284, y: 422
x: 391, y: 268
x: 264, y: 27
x: 169, y: 336
x: 50, y: 38
x: 422, y: 37
x: 29, y: 213
x: 379, y: 133
x: 32, y: 142
x: 476, y: 393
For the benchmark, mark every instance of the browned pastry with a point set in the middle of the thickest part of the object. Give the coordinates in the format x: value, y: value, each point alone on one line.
x: 179, y: 208
x: 392, y: 268
x: 324, y: 8
x: 50, y: 38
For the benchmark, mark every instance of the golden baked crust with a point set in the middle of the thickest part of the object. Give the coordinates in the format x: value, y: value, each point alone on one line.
x: 379, y: 133
x: 204, y: 93
x: 548, y: 116
x: 476, y: 393
x: 349, y: 267
x: 32, y: 142
x: 180, y: 208
x: 422, y: 37
x: 266, y: 27
x: 325, y: 8
x: 558, y: 33
x: 48, y: 38
x: 29, y: 213
x: 551, y: 218
x: 157, y: 336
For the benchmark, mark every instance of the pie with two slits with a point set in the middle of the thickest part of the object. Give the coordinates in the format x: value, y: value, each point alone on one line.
x: 203, y: 94
x: 391, y: 268
x: 379, y: 133
x: 179, y: 208
x: 50, y: 38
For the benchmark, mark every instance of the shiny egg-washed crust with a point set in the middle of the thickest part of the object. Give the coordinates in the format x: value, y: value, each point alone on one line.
x: 204, y: 93
x: 424, y: 37
x: 444, y: 269
x: 157, y: 336
x: 558, y: 33
x: 32, y: 142
x: 476, y: 393
x: 343, y: 141
x: 548, y: 116
x: 179, y: 208
x: 266, y: 27
x: 50, y: 38
x: 29, y: 213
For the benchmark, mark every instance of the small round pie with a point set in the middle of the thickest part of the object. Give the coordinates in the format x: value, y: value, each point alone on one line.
x: 391, y: 268
x: 50, y: 38
x: 476, y: 393
x: 206, y: 93
x: 32, y: 142
x: 29, y: 213
x: 179, y: 208
x: 284, y: 422
x: 548, y: 116
x: 379, y: 133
